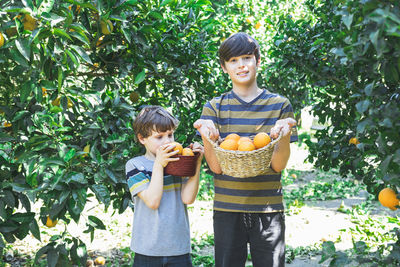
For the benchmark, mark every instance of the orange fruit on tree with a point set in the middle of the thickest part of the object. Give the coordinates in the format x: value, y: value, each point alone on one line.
x: 387, y: 197
x: 229, y: 144
x: 354, y: 141
x: 1, y: 39
x: 50, y: 223
x: 233, y: 136
x: 187, y: 152
x: 261, y: 139
x: 244, y: 139
x: 100, y: 261
x: 246, y: 146
x: 178, y: 147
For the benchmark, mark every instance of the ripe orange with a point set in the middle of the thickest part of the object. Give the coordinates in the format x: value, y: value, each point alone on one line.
x: 261, y: 139
x: 354, y: 141
x: 100, y: 261
x: 233, y: 136
x: 246, y: 146
x: 244, y: 139
x: 1, y: 39
x: 50, y: 223
x: 187, y: 152
x: 229, y: 144
x: 7, y: 124
x: 178, y: 147
x: 258, y: 25
x: 387, y: 197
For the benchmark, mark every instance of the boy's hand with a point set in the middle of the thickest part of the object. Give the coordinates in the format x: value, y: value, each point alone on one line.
x: 284, y: 126
x: 164, y: 154
x: 206, y: 128
x: 197, y: 147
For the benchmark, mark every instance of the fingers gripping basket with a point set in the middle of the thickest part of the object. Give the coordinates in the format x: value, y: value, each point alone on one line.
x: 244, y: 163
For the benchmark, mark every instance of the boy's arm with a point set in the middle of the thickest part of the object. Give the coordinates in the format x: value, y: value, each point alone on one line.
x: 207, y: 127
x: 152, y: 195
x: 281, y: 152
x: 191, y: 187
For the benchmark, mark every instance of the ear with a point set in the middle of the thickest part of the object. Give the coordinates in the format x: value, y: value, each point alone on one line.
x: 223, y: 68
x: 140, y: 138
x: 258, y: 62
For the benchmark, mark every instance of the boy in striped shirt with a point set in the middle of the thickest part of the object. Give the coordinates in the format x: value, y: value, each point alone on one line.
x: 160, y: 231
x: 247, y: 210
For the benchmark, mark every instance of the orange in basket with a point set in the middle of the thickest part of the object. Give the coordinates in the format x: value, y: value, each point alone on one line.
x: 185, y: 166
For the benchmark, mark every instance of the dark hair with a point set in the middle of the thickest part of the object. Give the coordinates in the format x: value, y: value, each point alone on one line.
x: 236, y: 45
x: 153, y: 118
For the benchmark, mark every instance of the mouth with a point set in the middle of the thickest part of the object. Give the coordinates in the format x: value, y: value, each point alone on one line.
x: 242, y: 73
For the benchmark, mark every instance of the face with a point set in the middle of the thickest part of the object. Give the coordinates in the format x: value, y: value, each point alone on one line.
x: 155, y: 140
x: 242, y: 69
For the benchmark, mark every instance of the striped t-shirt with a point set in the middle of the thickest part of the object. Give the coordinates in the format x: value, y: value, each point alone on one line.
x: 231, y: 114
x: 164, y: 231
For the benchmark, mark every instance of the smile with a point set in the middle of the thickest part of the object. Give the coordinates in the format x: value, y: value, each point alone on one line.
x: 243, y: 73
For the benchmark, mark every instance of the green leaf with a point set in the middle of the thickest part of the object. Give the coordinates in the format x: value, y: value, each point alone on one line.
x: 46, y: 6
x: 82, y: 53
x: 347, y: 20
x: 98, y: 84
x: 28, y: 3
x: 385, y: 164
x: 77, y: 178
x: 73, y: 58
x: 23, y: 217
x: 70, y: 154
x: 140, y: 77
x: 111, y: 175
x: 24, y: 48
x: 61, y: 33
x: 52, y: 257
x: 165, y: 2
x: 5, y: 138
x: 96, y: 222
x: 102, y: 193
x: 328, y: 251
x: 40, y: 252
x: 81, y: 37
x: 34, y: 228
x: 26, y: 90
x: 363, y: 106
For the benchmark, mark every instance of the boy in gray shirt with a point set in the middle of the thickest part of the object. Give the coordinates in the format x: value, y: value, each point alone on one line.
x: 160, y: 234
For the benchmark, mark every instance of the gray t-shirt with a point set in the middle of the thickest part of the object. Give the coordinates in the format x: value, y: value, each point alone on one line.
x: 161, y: 232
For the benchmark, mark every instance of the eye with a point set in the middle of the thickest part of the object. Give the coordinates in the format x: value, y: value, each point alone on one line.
x: 170, y: 135
x: 233, y: 60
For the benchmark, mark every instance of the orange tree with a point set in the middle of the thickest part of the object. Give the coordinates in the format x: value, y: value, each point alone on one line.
x: 73, y: 74
x: 345, y: 57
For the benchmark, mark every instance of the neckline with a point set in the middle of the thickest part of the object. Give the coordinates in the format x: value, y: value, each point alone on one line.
x: 252, y: 101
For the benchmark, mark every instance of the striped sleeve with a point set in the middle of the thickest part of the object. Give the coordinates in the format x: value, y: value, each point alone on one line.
x: 287, y: 112
x: 137, y: 179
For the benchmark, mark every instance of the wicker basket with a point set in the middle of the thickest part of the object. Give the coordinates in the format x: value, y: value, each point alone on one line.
x: 244, y: 163
x: 185, y: 166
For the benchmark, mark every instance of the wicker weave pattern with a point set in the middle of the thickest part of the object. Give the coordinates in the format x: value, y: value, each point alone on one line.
x: 244, y: 163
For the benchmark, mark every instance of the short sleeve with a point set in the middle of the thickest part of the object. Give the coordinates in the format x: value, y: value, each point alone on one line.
x: 287, y: 112
x: 136, y: 177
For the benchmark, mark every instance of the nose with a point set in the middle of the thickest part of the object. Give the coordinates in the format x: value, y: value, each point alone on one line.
x: 241, y: 63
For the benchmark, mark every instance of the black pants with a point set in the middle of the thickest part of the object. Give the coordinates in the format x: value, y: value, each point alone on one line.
x: 265, y: 232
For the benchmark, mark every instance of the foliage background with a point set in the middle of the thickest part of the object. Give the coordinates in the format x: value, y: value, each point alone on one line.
x: 65, y: 85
